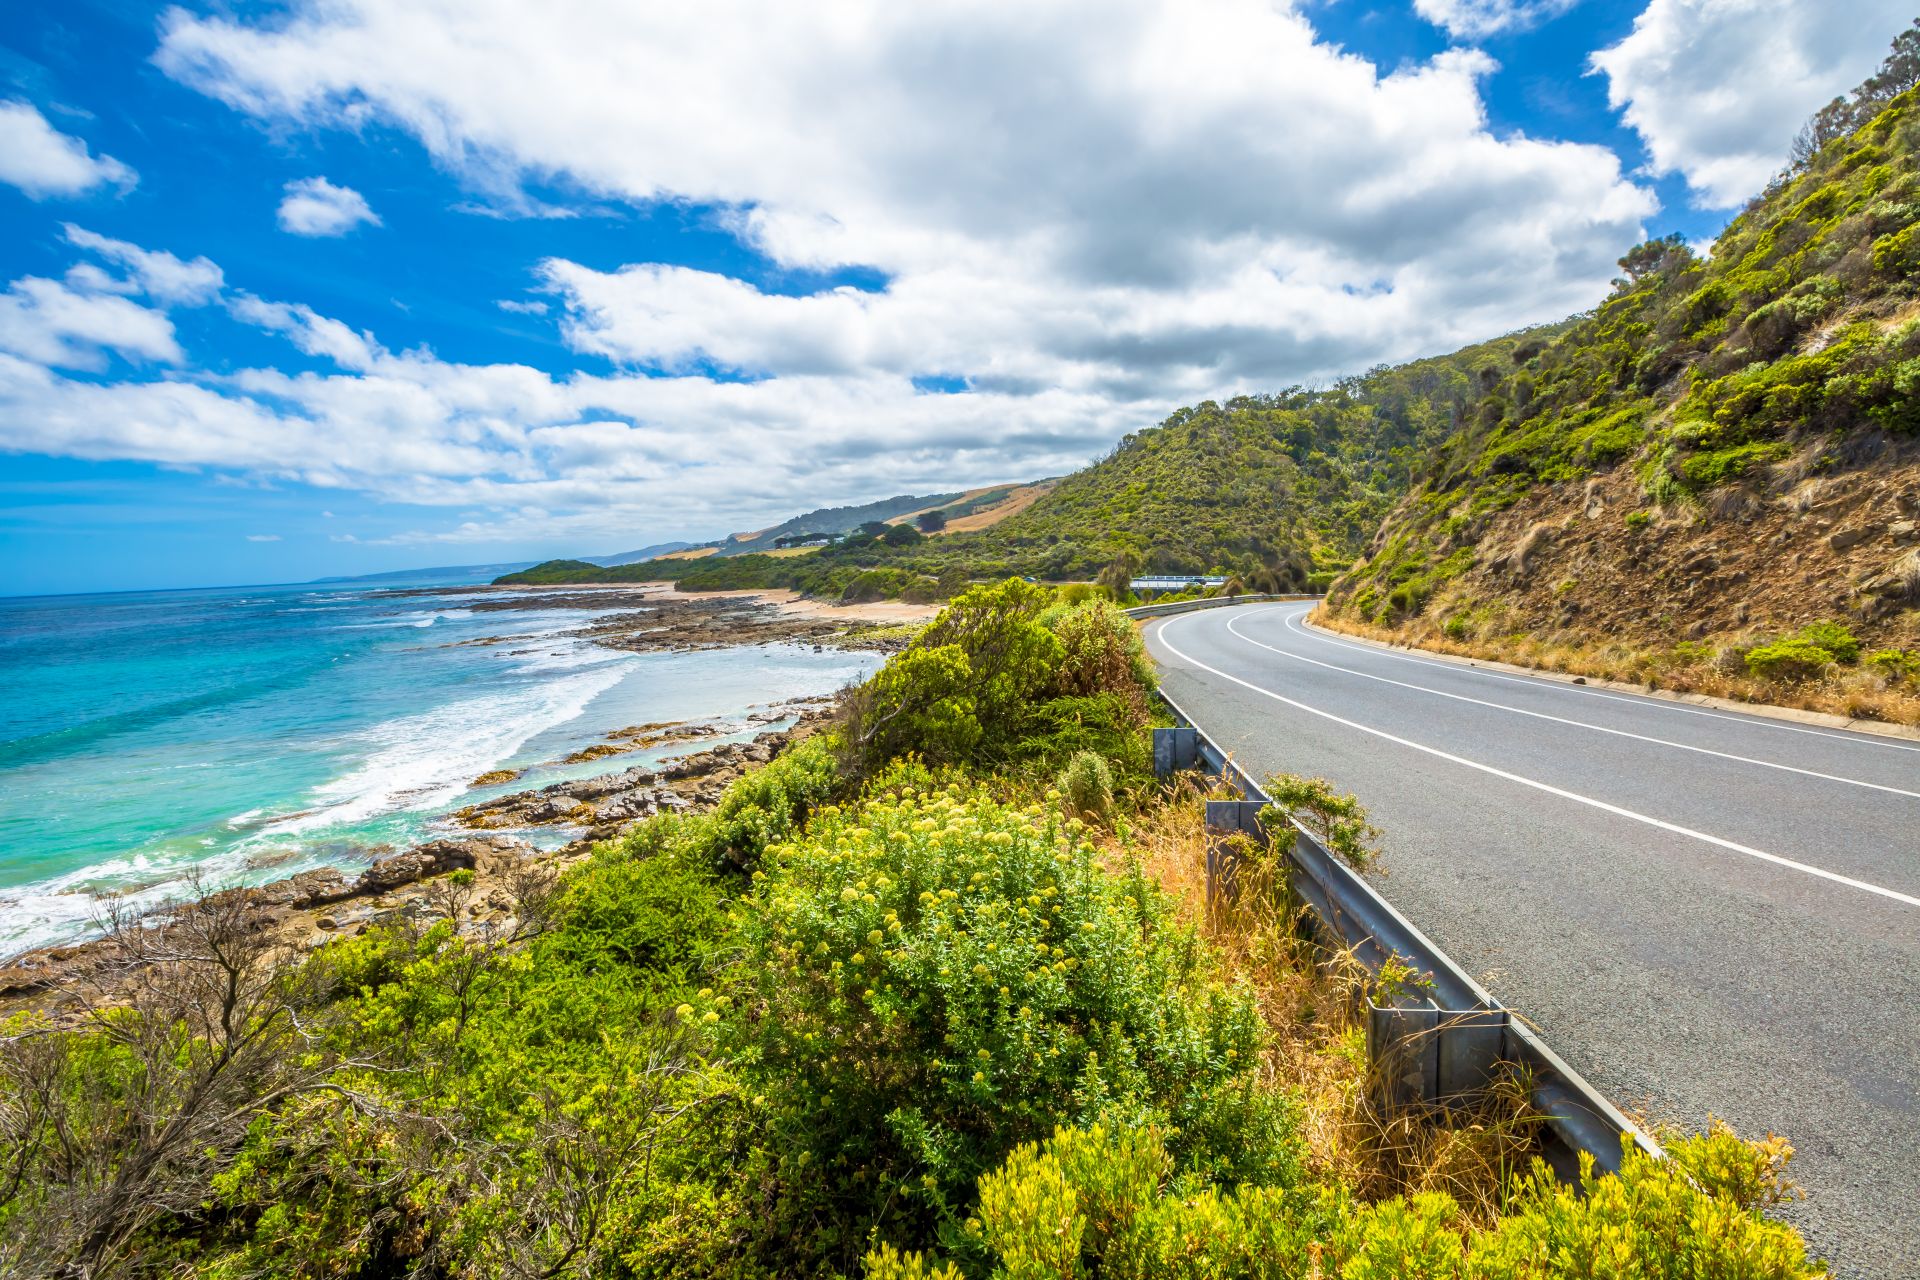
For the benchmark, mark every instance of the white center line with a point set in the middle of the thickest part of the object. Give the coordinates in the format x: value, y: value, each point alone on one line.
x: 1745, y: 850
x: 1578, y: 724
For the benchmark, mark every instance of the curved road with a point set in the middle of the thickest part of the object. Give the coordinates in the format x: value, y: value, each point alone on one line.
x: 1706, y: 913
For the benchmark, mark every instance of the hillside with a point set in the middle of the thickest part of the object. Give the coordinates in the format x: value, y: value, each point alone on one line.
x: 1726, y: 451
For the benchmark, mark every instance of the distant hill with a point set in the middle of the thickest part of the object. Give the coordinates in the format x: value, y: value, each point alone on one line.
x: 832, y: 521
x: 1727, y: 449
x: 644, y: 553
x: 476, y: 572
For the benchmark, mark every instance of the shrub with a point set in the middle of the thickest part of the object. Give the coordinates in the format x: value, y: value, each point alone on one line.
x: 1895, y: 664
x: 939, y: 978
x: 1339, y: 820
x: 1105, y: 1203
x: 1005, y: 675
x: 1834, y: 638
x: 1638, y: 520
x: 1806, y: 653
x: 1086, y: 784
x: 1789, y: 659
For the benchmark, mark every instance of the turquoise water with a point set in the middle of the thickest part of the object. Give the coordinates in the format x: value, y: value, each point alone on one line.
x: 246, y: 734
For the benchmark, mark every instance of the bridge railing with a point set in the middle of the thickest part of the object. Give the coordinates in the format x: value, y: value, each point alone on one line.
x: 1445, y: 1038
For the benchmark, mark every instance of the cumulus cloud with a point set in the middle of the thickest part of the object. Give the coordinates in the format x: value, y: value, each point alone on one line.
x: 1068, y: 218
x: 161, y: 276
x: 1717, y: 89
x: 1473, y: 19
x: 316, y: 207
x: 43, y: 162
x: 51, y: 323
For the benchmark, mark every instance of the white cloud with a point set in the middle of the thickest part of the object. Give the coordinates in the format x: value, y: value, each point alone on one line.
x: 1717, y: 89
x: 51, y: 323
x: 1472, y: 19
x: 159, y: 275
x: 1067, y: 218
x: 520, y: 307
x: 42, y: 161
x: 316, y: 207
x: 263, y: 537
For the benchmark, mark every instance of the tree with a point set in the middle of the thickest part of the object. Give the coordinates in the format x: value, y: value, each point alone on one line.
x: 932, y: 521
x: 1899, y: 73
x: 901, y: 535
x: 1656, y: 256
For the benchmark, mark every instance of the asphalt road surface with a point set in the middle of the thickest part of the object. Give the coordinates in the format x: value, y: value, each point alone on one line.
x: 1706, y: 913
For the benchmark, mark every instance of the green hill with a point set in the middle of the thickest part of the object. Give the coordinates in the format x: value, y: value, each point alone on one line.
x: 1727, y: 447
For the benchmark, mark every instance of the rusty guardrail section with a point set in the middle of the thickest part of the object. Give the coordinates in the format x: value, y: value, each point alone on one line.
x: 1443, y: 1040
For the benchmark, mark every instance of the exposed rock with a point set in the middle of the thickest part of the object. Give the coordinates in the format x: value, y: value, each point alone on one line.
x: 1853, y: 537
x: 494, y: 777
x: 1904, y: 531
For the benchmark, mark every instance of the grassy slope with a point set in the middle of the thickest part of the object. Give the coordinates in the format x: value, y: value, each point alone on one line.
x: 1725, y: 448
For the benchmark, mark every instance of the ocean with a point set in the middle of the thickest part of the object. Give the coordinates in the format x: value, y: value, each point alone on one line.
x: 242, y: 735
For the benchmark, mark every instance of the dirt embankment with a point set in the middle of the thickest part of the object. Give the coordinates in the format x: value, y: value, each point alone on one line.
x: 1745, y: 564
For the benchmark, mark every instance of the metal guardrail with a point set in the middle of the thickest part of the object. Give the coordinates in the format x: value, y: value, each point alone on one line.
x: 1448, y: 1037
x: 1144, y: 611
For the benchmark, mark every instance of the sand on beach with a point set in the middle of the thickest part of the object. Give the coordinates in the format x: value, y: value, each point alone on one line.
x: 791, y: 604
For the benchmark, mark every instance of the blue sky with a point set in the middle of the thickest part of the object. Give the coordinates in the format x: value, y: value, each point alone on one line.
x: 298, y: 290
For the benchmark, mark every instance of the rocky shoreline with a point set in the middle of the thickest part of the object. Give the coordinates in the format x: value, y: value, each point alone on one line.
x: 304, y: 911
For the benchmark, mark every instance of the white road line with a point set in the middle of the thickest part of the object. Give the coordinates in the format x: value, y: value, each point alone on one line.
x: 1578, y: 724
x: 1654, y: 704
x: 1576, y: 797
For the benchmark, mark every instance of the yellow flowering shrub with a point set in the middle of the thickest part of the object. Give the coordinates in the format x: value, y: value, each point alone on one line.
x: 941, y: 977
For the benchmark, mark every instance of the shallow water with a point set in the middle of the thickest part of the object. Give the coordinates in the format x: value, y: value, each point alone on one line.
x: 246, y: 734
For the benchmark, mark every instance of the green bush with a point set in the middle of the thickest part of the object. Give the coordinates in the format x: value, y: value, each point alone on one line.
x: 1834, y: 638
x: 1004, y: 675
x: 939, y: 978
x: 1789, y: 659
x: 1895, y: 664
x: 1806, y: 653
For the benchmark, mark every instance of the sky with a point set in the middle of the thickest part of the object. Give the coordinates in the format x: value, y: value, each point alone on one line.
x: 325, y: 287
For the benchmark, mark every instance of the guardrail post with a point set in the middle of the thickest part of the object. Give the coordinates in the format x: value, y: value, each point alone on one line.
x: 1175, y: 750
x: 1227, y: 821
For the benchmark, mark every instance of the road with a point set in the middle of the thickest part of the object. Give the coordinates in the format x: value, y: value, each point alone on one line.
x: 1706, y: 913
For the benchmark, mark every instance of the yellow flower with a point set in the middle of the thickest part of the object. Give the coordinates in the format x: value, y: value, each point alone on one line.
x: 858, y: 958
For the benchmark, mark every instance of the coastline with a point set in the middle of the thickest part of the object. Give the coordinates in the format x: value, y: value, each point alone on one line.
x: 488, y: 836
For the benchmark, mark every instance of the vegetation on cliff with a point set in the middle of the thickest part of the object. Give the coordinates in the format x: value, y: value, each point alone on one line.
x: 1727, y: 447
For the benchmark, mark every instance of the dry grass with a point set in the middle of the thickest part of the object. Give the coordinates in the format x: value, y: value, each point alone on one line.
x: 1858, y: 693
x: 1312, y: 1002
x: 691, y: 553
